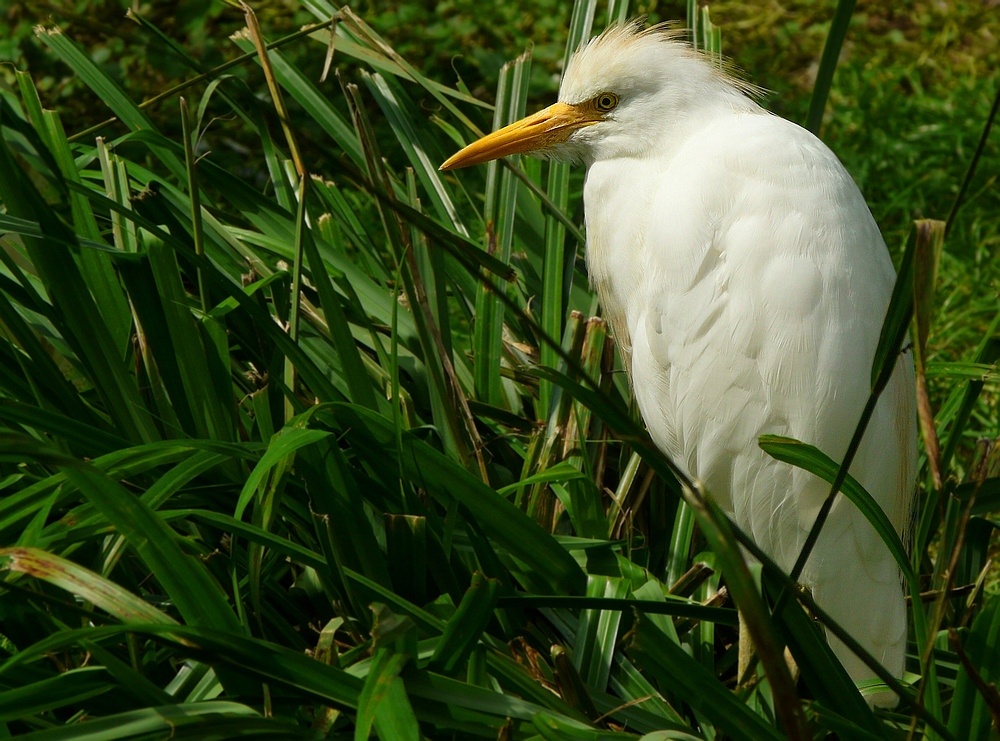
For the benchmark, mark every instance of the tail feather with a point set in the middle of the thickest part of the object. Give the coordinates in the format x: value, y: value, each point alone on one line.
x: 873, y: 611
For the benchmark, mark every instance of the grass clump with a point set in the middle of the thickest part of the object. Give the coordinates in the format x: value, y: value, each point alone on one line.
x: 332, y: 445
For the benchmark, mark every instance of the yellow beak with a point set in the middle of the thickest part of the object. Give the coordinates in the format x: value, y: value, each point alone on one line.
x: 543, y: 129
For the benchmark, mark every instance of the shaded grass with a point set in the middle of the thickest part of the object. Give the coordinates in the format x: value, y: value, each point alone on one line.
x: 357, y: 441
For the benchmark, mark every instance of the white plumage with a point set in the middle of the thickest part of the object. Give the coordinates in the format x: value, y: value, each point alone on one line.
x: 745, y: 281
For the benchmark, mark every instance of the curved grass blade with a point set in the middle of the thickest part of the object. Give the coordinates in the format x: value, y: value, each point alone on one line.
x: 560, y: 729
x: 718, y: 531
x: 597, y: 631
x: 970, y: 716
x: 467, y: 624
x: 680, y: 675
x: 67, y: 689
x: 818, y: 463
x: 95, y: 267
x: 82, y: 582
x: 92, y: 441
x: 280, y: 453
x: 107, y: 90
x: 446, y: 480
x: 821, y: 669
x: 815, y: 461
x: 828, y: 64
x: 203, y: 718
x: 390, y: 99
x: 84, y: 328
x: 196, y: 594
x: 669, y: 606
x: 384, y: 703
x: 312, y: 100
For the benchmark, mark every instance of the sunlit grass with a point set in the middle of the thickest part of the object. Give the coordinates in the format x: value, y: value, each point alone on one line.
x: 368, y: 464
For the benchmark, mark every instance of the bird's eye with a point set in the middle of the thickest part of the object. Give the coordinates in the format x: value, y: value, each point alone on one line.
x: 606, y: 102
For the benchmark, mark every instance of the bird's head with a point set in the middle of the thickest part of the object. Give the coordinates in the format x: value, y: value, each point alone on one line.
x: 622, y: 95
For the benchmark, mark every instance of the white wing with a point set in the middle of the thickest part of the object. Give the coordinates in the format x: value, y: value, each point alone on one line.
x: 755, y: 308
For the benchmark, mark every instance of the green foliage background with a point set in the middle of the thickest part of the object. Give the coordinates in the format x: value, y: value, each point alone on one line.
x: 299, y: 438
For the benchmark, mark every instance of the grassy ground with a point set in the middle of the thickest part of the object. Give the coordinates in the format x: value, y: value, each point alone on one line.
x: 292, y: 449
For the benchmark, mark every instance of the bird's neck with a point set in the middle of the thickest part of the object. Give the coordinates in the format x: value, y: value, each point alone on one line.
x: 618, y: 199
x: 614, y: 216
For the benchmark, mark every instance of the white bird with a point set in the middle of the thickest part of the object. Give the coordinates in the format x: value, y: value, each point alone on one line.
x: 745, y: 281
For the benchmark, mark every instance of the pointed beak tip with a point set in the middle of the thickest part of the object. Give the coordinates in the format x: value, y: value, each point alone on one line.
x: 452, y: 163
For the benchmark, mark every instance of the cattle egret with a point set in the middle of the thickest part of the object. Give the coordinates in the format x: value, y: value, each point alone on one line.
x: 745, y: 282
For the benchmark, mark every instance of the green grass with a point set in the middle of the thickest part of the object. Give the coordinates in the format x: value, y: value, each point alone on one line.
x: 301, y: 438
